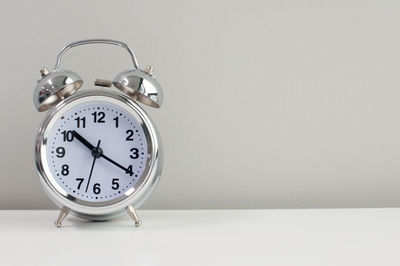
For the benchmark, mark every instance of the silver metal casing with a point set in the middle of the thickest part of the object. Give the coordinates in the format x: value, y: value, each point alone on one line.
x: 140, y: 86
x: 107, y: 209
x: 54, y: 87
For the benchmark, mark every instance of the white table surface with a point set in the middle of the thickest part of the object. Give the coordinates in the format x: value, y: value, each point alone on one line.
x: 208, y: 237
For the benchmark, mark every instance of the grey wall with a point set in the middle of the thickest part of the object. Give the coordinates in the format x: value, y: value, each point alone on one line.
x: 268, y: 104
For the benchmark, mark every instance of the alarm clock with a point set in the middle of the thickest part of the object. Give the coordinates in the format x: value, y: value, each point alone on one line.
x: 98, y: 154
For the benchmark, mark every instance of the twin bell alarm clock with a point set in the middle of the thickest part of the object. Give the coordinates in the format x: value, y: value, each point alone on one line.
x: 98, y: 154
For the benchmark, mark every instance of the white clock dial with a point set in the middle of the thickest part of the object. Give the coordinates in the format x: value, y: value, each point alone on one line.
x: 96, y: 151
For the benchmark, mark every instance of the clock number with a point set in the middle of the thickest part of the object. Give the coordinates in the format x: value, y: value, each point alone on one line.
x: 60, y: 152
x: 130, y: 135
x: 67, y: 136
x: 135, y: 153
x: 78, y: 122
x: 98, y: 117
x: 115, y: 184
x: 65, y: 169
x: 80, y: 180
x: 130, y: 171
x: 96, y: 188
x: 116, y: 121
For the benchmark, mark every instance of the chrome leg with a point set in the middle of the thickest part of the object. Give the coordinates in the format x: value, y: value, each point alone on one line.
x: 131, y: 211
x: 63, y: 213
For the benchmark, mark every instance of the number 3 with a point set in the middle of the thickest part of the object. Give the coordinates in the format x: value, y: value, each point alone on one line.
x: 135, y: 153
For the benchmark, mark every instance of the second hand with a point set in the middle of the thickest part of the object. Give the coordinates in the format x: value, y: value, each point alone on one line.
x: 91, y: 169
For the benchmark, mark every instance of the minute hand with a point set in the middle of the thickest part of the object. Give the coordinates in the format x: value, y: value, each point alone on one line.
x: 91, y: 147
x: 115, y: 163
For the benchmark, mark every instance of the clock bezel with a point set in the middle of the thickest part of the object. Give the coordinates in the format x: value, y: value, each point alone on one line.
x: 106, y: 209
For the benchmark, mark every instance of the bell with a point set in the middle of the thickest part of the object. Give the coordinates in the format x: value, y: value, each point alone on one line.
x: 55, y: 86
x: 140, y: 85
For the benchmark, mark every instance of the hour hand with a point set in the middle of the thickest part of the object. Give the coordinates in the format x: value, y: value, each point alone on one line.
x: 82, y: 140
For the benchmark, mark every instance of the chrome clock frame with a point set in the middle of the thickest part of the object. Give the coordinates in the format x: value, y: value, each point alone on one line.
x: 132, y: 198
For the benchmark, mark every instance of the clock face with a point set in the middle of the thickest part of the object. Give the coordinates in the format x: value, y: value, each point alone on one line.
x: 96, y: 151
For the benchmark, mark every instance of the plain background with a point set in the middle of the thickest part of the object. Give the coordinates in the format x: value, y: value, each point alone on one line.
x: 268, y: 104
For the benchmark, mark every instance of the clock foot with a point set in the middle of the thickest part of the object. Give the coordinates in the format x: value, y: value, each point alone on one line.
x: 63, y: 213
x: 131, y: 211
